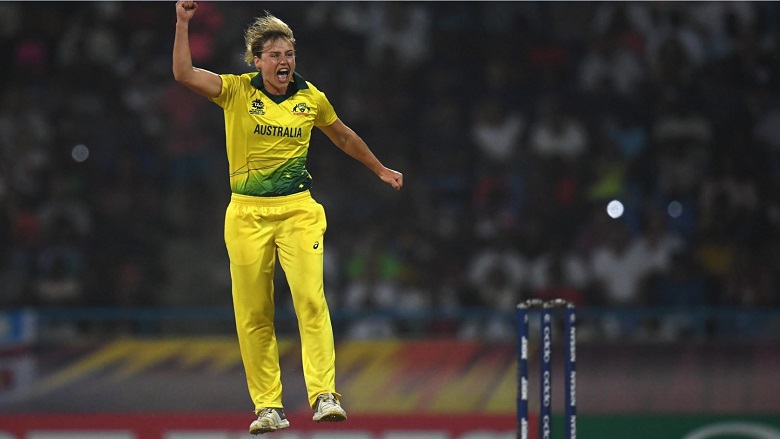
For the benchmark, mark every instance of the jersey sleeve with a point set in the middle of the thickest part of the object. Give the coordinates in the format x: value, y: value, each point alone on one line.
x: 230, y: 87
x: 326, y: 114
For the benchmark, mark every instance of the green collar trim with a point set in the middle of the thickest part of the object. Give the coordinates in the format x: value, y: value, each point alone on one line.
x: 297, y: 83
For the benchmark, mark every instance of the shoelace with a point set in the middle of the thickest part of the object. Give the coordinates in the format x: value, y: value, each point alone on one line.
x: 266, y: 412
x: 327, y: 398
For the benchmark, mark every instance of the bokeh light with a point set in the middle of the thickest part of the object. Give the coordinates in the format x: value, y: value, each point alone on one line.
x: 80, y: 152
x: 675, y: 209
x: 615, y: 209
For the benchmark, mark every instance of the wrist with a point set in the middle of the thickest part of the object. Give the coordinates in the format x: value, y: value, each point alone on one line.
x: 183, y: 25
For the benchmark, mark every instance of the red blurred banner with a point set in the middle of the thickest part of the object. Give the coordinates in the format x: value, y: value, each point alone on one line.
x: 234, y: 426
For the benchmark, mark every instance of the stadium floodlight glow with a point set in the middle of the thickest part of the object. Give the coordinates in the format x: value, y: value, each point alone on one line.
x: 615, y: 209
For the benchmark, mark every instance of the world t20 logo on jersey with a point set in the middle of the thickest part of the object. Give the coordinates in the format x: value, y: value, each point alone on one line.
x: 257, y: 107
x: 301, y: 109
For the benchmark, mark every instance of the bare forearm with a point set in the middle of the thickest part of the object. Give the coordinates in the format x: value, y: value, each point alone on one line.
x: 356, y: 148
x: 200, y: 81
x: 182, y: 57
x: 349, y: 142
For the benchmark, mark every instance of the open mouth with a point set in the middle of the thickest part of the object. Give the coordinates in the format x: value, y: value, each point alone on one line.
x: 283, y: 75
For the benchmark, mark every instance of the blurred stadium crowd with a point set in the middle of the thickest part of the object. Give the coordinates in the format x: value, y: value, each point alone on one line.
x: 514, y: 123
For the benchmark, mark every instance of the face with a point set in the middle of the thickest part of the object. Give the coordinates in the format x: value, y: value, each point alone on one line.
x: 276, y: 63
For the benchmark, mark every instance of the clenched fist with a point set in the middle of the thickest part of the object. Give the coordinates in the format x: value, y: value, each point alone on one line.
x: 185, y: 10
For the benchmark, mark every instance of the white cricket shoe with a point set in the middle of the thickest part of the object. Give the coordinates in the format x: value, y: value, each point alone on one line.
x: 328, y: 409
x: 268, y: 420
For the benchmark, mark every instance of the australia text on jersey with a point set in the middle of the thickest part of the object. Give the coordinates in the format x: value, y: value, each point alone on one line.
x: 270, y: 130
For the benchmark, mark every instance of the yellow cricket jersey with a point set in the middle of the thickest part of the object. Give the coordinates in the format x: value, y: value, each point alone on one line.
x: 268, y: 136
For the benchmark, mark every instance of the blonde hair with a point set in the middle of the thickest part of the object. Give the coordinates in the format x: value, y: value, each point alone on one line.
x: 264, y: 29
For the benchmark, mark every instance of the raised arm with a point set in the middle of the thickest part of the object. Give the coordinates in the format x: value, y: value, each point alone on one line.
x: 349, y: 142
x: 200, y: 81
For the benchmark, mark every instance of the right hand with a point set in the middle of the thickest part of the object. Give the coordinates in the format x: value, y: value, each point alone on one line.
x: 185, y: 9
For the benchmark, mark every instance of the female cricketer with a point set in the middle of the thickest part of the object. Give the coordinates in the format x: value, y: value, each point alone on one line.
x: 269, y: 117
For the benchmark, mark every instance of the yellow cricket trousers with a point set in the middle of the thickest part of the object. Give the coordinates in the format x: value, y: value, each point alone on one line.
x: 256, y: 230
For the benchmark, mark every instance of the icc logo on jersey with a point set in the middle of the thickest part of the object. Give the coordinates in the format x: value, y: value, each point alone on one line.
x: 257, y: 107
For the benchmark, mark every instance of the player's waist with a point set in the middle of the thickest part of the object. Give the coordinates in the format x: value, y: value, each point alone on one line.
x: 269, y: 201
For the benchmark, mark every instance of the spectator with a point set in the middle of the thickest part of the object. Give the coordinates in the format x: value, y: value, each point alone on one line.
x: 498, y: 274
x: 400, y: 32
x: 618, y: 271
x: 607, y: 65
x: 556, y: 134
x: 674, y: 40
x: 497, y: 132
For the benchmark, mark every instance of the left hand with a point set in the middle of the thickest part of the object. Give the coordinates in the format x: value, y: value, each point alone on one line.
x: 393, y: 178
